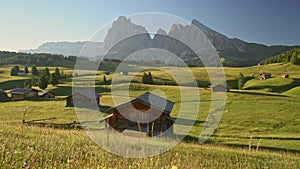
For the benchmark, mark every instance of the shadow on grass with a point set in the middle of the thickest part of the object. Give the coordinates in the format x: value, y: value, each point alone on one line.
x: 188, y: 122
x: 280, y: 89
x: 66, y: 126
x: 257, y: 93
x: 260, y: 148
x: 67, y: 90
x: 11, y: 84
x: 191, y: 139
x: 103, y: 108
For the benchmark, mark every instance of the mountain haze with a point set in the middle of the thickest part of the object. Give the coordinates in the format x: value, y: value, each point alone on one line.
x: 68, y: 48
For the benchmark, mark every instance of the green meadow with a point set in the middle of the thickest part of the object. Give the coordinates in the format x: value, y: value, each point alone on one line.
x: 260, y: 125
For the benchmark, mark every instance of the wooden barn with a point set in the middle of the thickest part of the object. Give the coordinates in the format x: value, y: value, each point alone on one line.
x: 285, y: 76
x: 124, y: 73
x: 264, y: 76
x: 219, y: 88
x: 3, y: 94
x: 145, y: 115
x: 46, y: 94
x: 83, y: 98
x: 23, y: 93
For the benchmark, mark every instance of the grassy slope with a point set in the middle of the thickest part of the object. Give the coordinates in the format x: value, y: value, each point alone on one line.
x: 247, y: 113
x: 46, y: 147
x: 293, y: 91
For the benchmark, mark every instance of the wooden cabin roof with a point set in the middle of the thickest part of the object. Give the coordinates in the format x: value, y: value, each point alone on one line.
x: 217, y: 85
x: 150, y: 99
x: 133, y: 133
x: 22, y: 90
x: 87, y: 93
x: 43, y: 92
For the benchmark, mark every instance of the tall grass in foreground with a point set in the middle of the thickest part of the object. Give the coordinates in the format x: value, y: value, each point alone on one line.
x: 53, y: 148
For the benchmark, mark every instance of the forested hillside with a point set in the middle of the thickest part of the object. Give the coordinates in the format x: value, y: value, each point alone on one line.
x: 291, y: 56
x: 39, y: 59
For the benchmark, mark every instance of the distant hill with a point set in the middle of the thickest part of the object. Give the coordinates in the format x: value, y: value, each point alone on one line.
x: 37, y: 59
x: 46, y: 59
x: 69, y: 48
x: 291, y: 56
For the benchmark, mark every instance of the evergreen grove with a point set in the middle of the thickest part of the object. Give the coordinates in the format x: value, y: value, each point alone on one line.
x: 292, y: 56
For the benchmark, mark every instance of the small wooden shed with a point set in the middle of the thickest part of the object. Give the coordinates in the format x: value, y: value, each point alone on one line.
x: 83, y: 98
x: 124, y: 73
x: 147, y: 115
x: 3, y: 94
x: 264, y: 76
x: 219, y: 88
x: 23, y: 93
x: 285, y: 76
x: 46, y: 94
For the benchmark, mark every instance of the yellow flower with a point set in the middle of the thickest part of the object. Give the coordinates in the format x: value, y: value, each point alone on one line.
x: 174, y: 167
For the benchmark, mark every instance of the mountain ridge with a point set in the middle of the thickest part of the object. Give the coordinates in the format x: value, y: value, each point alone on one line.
x: 67, y: 48
x: 233, y: 51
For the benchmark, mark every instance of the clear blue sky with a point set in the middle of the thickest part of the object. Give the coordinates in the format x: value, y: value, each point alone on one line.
x: 27, y: 24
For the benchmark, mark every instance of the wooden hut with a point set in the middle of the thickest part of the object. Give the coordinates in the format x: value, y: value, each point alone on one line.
x: 145, y: 115
x: 264, y: 76
x: 23, y: 93
x: 124, y: 73
x: 46, y: 94
x: 219, y: 88
x: 83, y: 98
x: 3, y: 94
x: 285, y: 76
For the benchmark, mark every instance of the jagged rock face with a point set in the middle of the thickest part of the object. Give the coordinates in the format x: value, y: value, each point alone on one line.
x: 122, y: 29
x: 220, y: 42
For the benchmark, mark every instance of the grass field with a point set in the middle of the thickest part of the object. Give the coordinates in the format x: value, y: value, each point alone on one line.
x: 265, y: 116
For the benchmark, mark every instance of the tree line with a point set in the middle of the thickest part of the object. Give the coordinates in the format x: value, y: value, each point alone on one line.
x: 38, y: 59
x: 41, y: 78
x: 292, y: 56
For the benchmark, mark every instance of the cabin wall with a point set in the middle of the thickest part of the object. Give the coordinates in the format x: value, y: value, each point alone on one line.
x: 155, y: 120
x: 31, y: 94
x: 81, y: 101
x: 3, y: 95
x: 17, y: 96
x: 48, y: 95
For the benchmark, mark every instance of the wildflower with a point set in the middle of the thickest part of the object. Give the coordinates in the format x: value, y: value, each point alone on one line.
x: 25, y: 165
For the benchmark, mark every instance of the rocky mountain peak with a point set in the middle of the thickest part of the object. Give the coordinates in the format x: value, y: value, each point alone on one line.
x: 161, y: 32
x: 121, y: 29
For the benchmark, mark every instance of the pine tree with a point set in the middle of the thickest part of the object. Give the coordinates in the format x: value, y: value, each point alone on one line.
x: 53, y: 79
x: 104, y: 80
x: 150, y: 79
x: 241, y: 81
x: 14, y: 71
x: 34, y: 71
x: 34, y: 82
x: 145, y: 77
x: 57, y: 73
x: 43, y: 83
x: 27, y: 84
x: 294, y: 59
x: 47, y: 74
x: 26, y: 70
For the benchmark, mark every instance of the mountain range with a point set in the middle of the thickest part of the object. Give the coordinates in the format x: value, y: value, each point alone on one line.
x: 119, y: 42
x: 68, y: 48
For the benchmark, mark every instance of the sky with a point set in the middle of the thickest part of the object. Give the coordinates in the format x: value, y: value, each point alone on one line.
x: 28, y: 24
